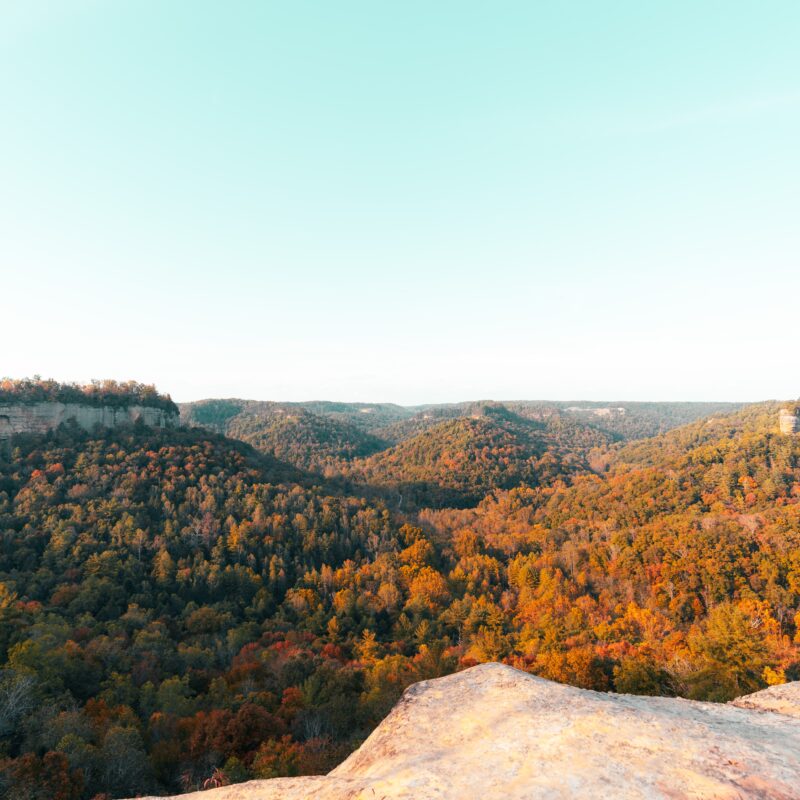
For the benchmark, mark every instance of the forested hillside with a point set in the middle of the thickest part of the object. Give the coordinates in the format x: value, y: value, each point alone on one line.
x: 178, y: 609
x: 287, y: 431
x: 392, y: 424
x: 151, y: 589
x: 678, y: 570
x: 457, y: 462
x: 365, y: 417
x: 627, y: 421
x: 448, y: 455
x: 620, y: 421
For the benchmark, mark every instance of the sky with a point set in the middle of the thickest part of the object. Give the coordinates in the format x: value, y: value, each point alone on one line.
x: 403, y: 202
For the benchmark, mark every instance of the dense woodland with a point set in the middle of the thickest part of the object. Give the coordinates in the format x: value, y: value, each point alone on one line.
x: 455, y: 463
x: 97, y: 393
x: 392, y: 424
x: 179, y: 609
x: 440, y: 456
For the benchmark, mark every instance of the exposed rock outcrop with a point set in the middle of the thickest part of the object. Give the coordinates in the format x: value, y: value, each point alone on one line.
x: 493, y: 732
x: 783, y: 699
x: 42, y: 417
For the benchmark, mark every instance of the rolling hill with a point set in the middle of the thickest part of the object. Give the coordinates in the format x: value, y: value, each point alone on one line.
x: 290, y: 432
x: 457, y: 462
x: 448, y: 455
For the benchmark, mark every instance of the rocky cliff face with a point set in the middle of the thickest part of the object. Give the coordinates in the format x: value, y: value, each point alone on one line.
x: 492, y: 733
x: 42, y: 417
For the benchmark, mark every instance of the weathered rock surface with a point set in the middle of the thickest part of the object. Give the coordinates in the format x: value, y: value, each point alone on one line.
x: 46, y: 416
x: 783, y: 699
x: 495, y: 733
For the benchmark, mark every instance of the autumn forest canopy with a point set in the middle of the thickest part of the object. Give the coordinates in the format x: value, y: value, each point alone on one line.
x: 96, y: 393
x: 249, y: 594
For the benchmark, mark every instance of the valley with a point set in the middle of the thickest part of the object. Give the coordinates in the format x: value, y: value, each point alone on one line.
x: 247, y: 595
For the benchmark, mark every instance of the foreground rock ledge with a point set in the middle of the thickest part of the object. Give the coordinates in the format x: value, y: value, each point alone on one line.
x: 495, y: 733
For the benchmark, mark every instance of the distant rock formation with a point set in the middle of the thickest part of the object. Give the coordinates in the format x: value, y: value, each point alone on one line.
x: 16, y: 418
x: 495, y: 733
x: 788, y: 420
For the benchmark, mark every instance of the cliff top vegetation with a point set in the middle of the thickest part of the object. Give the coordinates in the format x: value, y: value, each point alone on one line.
x: 96, y: 393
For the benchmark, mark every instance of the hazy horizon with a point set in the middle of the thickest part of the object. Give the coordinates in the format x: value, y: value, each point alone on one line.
x: 425, y: 404
x: 422, y: 403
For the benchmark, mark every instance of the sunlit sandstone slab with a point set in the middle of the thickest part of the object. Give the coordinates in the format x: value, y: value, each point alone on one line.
x: 783, y: 699
x: 495, y: 733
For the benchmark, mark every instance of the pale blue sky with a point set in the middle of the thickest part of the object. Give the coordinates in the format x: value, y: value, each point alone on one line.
x: 403, y: 201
